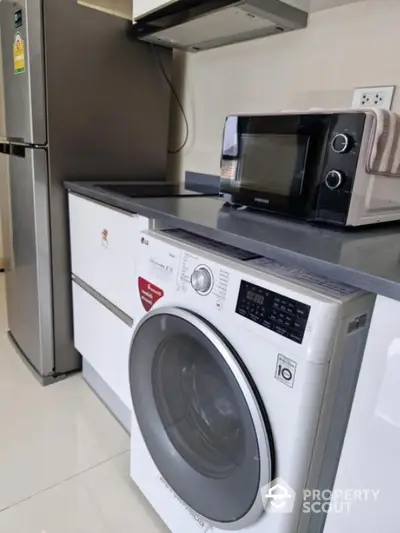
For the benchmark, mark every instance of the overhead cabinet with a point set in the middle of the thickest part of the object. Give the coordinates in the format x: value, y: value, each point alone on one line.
x: 119, y: 8
x: 144, y: 7
x: 128, y: 9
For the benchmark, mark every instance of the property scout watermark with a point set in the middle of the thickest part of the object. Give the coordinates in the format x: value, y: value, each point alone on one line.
x: 279, y: 497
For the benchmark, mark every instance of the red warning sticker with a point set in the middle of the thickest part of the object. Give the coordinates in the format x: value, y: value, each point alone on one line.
x: 149, y: 293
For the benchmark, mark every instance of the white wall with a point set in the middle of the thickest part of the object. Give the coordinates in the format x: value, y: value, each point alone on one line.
x: 342, y: 48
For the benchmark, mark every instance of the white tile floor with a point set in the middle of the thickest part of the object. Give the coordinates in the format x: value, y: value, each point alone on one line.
x: 64, y: 460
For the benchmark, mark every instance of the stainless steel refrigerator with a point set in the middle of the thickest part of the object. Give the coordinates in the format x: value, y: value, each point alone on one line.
x: 82, y: 101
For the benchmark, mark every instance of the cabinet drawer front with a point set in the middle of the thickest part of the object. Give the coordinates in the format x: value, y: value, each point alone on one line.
x: 103, y: 340
x: 103, y: 244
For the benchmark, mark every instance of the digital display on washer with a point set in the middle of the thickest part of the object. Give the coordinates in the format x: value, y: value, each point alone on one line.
x: 255, y: 297
x: 273, y: 311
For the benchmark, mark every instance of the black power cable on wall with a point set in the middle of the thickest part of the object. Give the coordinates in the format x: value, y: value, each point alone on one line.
x: 162, y: 68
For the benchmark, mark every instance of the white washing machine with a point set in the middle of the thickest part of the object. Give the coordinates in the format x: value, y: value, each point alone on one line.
x: 241, y: 371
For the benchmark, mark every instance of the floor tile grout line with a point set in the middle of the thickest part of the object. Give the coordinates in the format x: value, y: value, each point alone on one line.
x: 64, y: 480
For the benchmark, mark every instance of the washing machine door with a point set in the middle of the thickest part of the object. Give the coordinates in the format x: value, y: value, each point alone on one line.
x: 201, y: 417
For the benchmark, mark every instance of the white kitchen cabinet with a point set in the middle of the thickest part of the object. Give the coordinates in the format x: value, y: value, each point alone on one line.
x: 103, y: 339
x: 104, y: 244
x: 143, y: 7
x: 119, y: 8
x: 370, y: 459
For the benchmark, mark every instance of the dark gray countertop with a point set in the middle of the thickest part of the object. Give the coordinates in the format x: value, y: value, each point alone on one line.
x: 367, y: 258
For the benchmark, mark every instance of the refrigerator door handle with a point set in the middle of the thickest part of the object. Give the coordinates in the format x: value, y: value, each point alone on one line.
x: 5, y: 148
x: 17, y: 150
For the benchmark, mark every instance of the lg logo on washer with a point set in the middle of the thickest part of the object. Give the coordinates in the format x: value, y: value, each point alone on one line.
x: 149, y: 293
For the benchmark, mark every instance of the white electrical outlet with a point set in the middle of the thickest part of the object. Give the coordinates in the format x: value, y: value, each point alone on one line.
x: 380, y: 97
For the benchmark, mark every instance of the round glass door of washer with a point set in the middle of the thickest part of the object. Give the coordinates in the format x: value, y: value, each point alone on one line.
x: 201, y: 417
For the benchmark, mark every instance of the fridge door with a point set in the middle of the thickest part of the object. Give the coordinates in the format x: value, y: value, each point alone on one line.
x: 5, y: 207
x: 21, y: 31
x: 28, y: 272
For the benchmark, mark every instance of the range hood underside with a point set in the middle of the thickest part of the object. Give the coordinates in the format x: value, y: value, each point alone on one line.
x: 234, y: 22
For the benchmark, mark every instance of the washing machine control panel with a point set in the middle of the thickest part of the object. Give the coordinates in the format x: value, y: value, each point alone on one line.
x: 273, y: 311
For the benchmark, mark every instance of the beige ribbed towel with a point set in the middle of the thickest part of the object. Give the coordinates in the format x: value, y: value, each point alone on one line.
x: 384, y: 152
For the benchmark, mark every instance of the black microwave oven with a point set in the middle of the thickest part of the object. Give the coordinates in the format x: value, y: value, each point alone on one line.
x: 309, y: 165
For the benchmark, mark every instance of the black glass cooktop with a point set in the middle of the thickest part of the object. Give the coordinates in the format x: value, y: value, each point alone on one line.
x: 146, y: 189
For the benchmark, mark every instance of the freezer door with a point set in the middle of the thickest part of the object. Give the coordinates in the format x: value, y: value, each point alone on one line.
x: 28, y: 273
x: 23, y: 69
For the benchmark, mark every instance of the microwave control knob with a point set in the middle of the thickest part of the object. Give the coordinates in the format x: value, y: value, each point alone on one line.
x: 334, y: 180
x: 341, y: 143
x: 202, y: 280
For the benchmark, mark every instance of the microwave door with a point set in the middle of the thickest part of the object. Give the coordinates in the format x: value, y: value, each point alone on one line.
x: 23, y: 72
x: 271, y: 170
